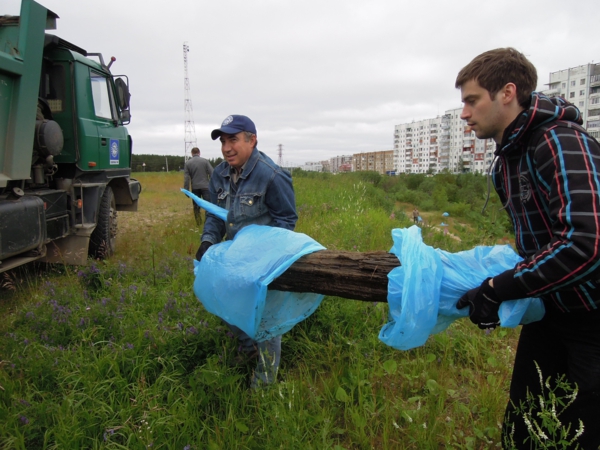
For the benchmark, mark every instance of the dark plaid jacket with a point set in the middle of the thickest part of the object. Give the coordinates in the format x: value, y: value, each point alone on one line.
x: 548, y: 176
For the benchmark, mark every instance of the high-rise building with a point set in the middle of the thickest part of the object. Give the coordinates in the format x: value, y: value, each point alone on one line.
x: 382, y: 162
x: 581, y: 86
x: 416, y: 146
x: 341, y: 163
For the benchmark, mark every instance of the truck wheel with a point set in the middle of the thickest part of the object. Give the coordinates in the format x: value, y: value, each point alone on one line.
x: 103, y: 238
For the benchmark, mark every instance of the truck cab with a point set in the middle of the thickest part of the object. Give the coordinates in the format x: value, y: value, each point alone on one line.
x: 65, y: 153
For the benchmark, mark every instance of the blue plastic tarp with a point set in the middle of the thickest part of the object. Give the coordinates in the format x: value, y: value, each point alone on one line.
x: 424, y: 290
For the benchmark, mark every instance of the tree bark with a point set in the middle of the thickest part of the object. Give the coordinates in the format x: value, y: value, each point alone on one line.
x: 352, y: 275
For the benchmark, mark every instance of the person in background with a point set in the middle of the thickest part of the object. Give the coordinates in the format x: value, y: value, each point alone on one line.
x: 197, y: 170
x: 415, y: 215
x: 547, y: 175
x: 254, y: 190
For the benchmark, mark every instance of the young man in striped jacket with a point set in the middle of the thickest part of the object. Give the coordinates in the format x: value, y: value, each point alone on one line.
x: 547, y: 174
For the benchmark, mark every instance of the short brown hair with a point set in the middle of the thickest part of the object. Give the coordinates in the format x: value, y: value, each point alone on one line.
x: 495, y: 68
x: 195, y: 151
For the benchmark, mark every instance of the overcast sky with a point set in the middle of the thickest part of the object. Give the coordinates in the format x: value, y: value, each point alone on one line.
x: 322, y: 78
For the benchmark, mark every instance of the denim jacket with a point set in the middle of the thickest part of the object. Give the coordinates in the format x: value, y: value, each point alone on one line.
x: 263, y: 195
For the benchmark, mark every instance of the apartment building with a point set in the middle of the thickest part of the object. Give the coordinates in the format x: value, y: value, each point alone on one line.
x: 341, y: 163
x: 312, y: 166
x: 417, y: 146
x: 382, y: 162
x: 581, y: 86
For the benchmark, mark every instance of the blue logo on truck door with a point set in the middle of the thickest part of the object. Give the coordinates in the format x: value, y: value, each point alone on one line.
x: 114, y: 151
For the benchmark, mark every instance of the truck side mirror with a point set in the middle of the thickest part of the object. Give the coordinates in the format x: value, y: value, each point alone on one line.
x: 125, y: 116
x: 123, y: 94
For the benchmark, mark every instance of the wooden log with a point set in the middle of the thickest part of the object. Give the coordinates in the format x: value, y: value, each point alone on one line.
x: 352, y: 275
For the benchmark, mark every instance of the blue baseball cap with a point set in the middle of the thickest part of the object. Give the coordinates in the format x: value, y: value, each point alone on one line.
x: 233, y: 125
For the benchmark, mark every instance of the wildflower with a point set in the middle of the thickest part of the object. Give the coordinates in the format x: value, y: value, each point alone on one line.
x: 129, y: 346
x: 396, y: 425
x: 108, y: 433
x: 579, y: 431
x: 425, y: 425
x: 192, y: 330
x: 24, y: 420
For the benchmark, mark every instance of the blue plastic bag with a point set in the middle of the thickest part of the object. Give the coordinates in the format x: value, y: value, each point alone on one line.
x: 233, y: 277
x: 424, y: 290
x: 232, y: 280
x: 221, y: 213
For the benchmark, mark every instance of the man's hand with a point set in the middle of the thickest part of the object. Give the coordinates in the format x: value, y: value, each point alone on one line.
x: 483, y: 305
x: 202, y: 249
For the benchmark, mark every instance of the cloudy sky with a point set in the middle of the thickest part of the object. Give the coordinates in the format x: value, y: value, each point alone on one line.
x: 322, y: 78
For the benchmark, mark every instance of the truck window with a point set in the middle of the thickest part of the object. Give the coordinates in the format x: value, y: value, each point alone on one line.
x: 100, y: 93
x: 52, y: 87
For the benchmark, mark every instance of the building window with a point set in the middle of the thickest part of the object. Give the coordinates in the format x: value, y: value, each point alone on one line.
x: 582, y: 92
x: 572, y: 94
x: 564, y: 85
x: 582, y: 81
x: 581, y: 104
x: 573, y: 83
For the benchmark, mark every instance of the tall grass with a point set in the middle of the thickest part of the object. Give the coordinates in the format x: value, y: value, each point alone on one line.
x: 120, y: 354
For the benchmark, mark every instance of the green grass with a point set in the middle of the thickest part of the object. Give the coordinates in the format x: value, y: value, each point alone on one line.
x: 120, y: 354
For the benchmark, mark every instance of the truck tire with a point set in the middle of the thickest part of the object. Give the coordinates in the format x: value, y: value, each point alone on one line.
x: 103, y: 238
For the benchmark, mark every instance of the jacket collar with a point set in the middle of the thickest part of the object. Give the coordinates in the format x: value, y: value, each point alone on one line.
x: 542, y: 110
x: 248, y: 167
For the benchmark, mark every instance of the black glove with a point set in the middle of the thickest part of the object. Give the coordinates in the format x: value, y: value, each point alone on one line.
x: 484, y: 305
x: 202, y: 249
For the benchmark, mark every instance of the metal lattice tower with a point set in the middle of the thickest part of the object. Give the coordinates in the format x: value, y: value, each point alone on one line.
x: 190, y: 130
x: 280, y: 154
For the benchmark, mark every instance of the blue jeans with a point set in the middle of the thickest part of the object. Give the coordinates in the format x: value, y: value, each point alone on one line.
x: 561, y: 344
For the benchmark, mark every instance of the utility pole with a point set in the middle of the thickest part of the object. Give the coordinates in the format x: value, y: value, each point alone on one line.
x: 190, y: 130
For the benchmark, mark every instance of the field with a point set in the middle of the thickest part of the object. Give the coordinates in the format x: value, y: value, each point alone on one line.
x: 121, y: 355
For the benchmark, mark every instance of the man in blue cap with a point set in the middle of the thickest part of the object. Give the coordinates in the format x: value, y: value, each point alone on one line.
x: 254, y: 190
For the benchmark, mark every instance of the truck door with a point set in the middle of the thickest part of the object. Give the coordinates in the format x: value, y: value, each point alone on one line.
x: 113, y: 145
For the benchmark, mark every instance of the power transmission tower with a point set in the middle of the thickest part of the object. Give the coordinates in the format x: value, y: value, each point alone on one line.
x: 280, y: 154
x: 190, y: 130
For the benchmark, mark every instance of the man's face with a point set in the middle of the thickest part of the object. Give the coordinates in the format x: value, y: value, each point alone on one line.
x: 236, y: 150
x: 483, y: 115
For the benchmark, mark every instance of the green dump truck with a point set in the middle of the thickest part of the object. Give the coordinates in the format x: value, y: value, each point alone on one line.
x: 65, y: 155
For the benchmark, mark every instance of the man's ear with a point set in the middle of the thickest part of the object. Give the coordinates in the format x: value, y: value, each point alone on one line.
x: 509, y: 93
